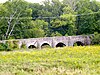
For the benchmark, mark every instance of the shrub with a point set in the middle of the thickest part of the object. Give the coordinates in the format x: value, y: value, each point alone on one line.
x: 4, y: 47
x: 75, y: 44
x: 12, y: 44
x: 23, y: 45
x: 96, y: 39
x: 15, y: 46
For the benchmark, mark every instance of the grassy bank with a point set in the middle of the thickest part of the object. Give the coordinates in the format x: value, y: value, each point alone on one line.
x: 57, y: 61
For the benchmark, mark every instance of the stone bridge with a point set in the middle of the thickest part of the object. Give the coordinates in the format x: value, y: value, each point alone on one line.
x: 54, y: 41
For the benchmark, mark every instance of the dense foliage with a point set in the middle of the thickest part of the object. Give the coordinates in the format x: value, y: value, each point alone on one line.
x: 3, y: 47
x: 96, y: 39
x: 57, y: 61
x: 20, y: 19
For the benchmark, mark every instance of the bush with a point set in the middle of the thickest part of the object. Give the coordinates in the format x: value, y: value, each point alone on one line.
x: 96, y: 39
x: 23, y: 46
x: 15, y: 42
x: 75, y: 44
x: 12, y: 44
x: 4, y: 47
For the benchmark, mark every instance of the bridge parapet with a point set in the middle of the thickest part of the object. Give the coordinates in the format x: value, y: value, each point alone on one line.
x: 53, y: 41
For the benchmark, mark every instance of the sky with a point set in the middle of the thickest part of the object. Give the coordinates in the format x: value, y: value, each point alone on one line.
x: 33, y: 1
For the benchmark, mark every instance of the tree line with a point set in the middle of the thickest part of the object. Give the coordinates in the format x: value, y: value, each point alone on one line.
x: 20, y: 19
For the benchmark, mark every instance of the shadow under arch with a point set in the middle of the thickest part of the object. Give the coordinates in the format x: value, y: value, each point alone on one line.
x: 78, y: 43
x: 60, y: 44
x: 32, y: 47
x: 45, y: 45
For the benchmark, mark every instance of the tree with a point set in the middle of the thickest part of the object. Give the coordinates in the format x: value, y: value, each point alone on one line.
x: 86, y: 18
x: 14, y: 12
x: 66, y: 23
x: 2, y: 25
x: 20, y: 19
x: 36, y: 8
x: 38, y: 28
x: 56, y: 7
x: 46, y: 10
x: 71, y: 3
x: 70, y: 19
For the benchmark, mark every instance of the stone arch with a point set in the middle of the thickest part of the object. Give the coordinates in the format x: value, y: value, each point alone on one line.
x: 60, y: 44
x: 78, y: 43
x: 32, y: 47
x: 45, y: 45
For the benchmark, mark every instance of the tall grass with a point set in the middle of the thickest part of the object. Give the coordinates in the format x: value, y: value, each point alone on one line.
x: 58, y: 61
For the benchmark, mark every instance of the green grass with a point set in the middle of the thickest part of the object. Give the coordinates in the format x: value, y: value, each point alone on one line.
x: 58, y: 61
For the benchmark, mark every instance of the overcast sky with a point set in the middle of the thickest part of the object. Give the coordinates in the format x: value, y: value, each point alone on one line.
x: 33, y: 1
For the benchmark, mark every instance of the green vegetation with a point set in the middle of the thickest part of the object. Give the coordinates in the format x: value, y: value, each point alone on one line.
x: 96, y: 39
x: 12, y: 44
x: 3, y: 46
x: 23, y: 46
x: 20, y: 19
x: 58, y: 61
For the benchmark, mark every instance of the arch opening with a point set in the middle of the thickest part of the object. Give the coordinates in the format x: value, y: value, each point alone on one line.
x: 45, y: 45
x: 60, y: 45
x: 78, y: 43
x: 32, y: 47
